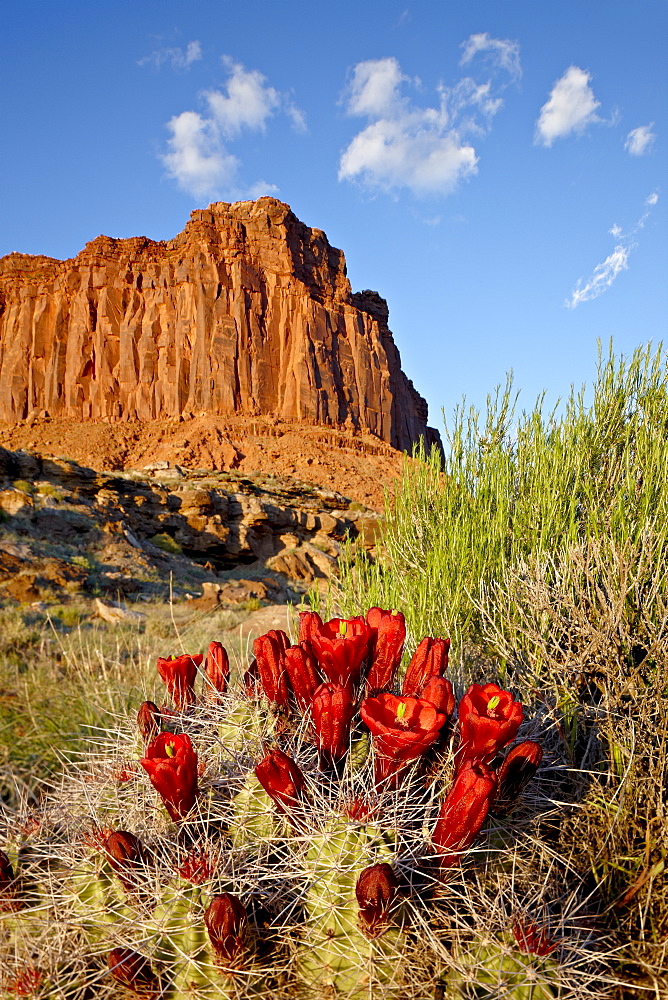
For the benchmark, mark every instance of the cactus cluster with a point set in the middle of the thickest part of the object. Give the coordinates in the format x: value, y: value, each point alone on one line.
x: 325, y: 825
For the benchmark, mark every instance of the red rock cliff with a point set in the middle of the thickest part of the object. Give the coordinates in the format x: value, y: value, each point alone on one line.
x: 247, y: 311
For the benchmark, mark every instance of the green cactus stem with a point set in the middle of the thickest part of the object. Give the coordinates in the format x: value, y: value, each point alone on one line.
x: 337, y: 959
x: 497, y: 968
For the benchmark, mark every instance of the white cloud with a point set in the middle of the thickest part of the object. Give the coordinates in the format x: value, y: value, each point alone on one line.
x: 503, y: 52
x: 602, y: 277
x: 571, y: 107
x: 247, y: 103
x: 374, y: 89
x: 197, y: 157
x: 639, y: 140
x: 405, y: 146
x: 604, y: 274
x: 177, y: 58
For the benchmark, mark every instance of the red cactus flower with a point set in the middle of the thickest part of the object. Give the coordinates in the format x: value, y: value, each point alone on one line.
x: 26, y: 983
x: 133, y: 971
x: 171, y: 763
x: 438, y: 690
x: 179, y: 673
x: 197, y: 867
x: 302, y: 669
x: 464, y: 811
x: 341, y: 646
x: 217, y: 668
x: 532, y: 939
x: 488, y: 721
x: 332, y: 710
x: 125, y: 854
x: 375, y: 890
x: 388, y: 634
x: 402, y: 729
x: 282, y: 779
x: 226, y: 919
x: 430, y: 659
x: 515, y: 773
x: 148, y: 720
x: 269, y: 650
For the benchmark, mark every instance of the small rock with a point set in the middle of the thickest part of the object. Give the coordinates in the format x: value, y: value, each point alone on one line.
x: 115, y: 613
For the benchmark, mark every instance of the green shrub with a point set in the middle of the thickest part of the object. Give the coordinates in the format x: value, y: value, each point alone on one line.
x: 512, y: 491
x: 24, y: 486
x: 540, y: 544
x: 167, y: 544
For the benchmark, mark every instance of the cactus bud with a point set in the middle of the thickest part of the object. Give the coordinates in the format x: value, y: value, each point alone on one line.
x: 309, y: 622
x: 225, y: 919
x: 26, y: 983
x: 302, y: 668
x: 281, y: 779
x: 375, y: 890
x: 179, y: 675
x: 125, y: 854
x: 217, y: 667
x: 515, y: 773
x: 430, y: 659
x: 532, y: 939
x: 464, y: 811
x: 269, y: 650
x: 388, y: 634
x: 8, y: 886
x: 133, y: 971
x: 438, y: 690
x: 252, y: 682
x: 332, y: 709
x: 148, y: 720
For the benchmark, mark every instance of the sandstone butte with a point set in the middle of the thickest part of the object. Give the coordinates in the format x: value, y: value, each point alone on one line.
x: 247, y: 312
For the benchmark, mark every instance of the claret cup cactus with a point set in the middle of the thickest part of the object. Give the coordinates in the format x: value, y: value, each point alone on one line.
x: 327, y: 825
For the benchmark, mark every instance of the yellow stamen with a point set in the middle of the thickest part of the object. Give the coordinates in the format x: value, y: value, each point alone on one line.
x: 343, y: 627
x: 394, y: 611
x: 170, y: 749
x: 401, y: 709
x: 492, y: 703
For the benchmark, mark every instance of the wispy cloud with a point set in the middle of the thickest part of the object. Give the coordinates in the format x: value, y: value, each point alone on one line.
x: 502, y: 52
x: 197, y: 156
x: 177, y: 58
x: 640, y: 140
x: 571, y: 107
x: 604, y: 274
x: 426, y: 150
x: 602, y: 277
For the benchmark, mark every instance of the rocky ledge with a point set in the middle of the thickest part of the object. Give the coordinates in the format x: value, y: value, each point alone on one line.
x: 247, y: 312
x: 214, y: 538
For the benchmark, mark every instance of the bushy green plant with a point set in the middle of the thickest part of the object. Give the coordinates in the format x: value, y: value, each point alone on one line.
x: 166, y: 543
x: 513, y: 488
x: 540, y: 541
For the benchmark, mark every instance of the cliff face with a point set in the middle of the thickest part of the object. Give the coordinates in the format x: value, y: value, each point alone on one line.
x: 247, y: 311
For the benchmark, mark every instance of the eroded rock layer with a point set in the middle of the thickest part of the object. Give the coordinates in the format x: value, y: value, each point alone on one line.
x: 247, y: 311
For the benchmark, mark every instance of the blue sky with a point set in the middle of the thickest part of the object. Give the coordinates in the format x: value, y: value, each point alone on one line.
x: 496, y: 170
